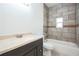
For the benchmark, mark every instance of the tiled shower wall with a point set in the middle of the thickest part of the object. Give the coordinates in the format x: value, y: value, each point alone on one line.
x: 77, y: 23
x: 45, y: 29
x: 67, y: 12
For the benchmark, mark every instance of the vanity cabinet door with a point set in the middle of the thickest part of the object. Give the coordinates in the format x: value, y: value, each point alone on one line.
x: 40, y: 50
x: 31, y: 52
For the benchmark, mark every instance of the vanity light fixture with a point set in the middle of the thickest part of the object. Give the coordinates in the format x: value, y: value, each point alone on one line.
x: 27, y: 4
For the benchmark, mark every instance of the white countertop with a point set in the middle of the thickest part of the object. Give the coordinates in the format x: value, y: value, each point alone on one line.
x: 13, y: 43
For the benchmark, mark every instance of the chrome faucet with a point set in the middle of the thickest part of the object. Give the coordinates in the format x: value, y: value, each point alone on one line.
x: 19, y: 35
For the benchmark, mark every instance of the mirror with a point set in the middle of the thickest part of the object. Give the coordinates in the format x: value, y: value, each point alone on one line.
x: 13, y: 18
x: 21, y: 18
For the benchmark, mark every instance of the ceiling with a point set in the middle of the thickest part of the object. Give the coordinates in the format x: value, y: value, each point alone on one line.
x: 51, y: 4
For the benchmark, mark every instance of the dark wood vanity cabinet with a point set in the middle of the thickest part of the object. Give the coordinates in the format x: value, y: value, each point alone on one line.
x: 32, y: 49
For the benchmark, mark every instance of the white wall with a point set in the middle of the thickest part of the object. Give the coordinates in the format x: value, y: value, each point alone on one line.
x: 19, y: 18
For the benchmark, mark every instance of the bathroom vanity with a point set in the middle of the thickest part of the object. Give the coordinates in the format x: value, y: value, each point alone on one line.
x: 31, y: 46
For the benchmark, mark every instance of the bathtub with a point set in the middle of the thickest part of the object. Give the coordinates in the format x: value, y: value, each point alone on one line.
x: 61, y: 48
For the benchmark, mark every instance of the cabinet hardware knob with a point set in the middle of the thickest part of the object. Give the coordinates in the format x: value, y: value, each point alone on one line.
x: 40, y: 50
